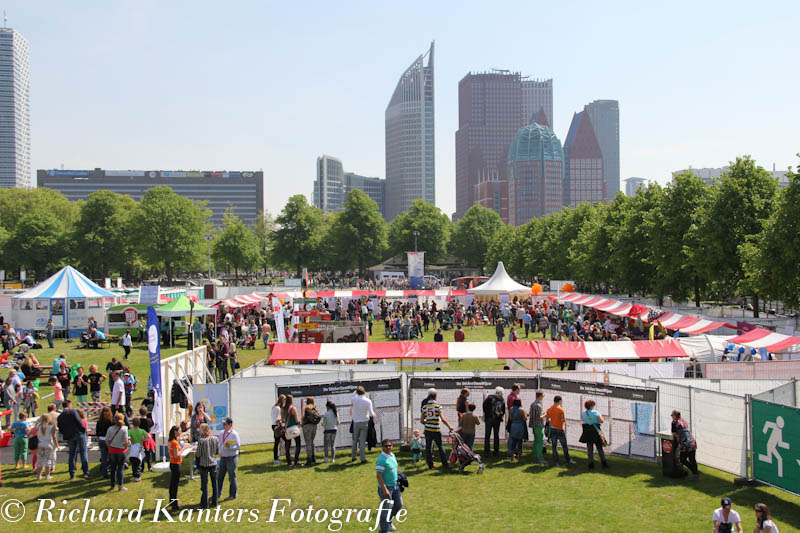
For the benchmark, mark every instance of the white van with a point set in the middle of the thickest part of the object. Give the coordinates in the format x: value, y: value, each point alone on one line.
x: 388, y: 277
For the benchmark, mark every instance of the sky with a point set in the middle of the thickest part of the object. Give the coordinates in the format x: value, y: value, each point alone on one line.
x: 249, y: 85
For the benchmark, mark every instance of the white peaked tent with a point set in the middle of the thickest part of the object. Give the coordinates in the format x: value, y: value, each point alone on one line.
x: 500, y: 283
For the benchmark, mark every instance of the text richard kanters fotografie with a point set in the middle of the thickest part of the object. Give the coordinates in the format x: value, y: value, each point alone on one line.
x: 279, y: 510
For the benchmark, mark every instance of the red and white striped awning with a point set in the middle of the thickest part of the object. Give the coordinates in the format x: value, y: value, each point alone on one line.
x: 691, y: 325
x: 763, y: 338
x: 586, y: 351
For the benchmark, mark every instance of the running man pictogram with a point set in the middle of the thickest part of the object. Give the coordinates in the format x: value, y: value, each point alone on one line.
x: 775, y: 441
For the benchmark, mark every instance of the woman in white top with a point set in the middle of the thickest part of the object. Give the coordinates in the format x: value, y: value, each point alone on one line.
x: 48, y: 446
x: 764, y: 523
x: 277, y: 428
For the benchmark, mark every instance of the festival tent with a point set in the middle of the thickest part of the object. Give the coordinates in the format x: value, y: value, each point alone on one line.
x: 587, y: 351
x: 182, y: 308
x: 499, y: 283
x: 763, y: 338
x: 68, y: 298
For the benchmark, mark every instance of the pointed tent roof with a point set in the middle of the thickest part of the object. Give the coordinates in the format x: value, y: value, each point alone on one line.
x: 182, y: 306
x: 499, y: 283
x: 66, y: 283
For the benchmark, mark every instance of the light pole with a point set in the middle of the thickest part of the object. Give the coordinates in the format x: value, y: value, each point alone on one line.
x: 190, y: 332
x: 416, y: 234
x: 209, y: 238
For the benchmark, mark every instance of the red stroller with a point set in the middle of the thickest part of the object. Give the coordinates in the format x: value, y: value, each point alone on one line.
x: 463, y: 454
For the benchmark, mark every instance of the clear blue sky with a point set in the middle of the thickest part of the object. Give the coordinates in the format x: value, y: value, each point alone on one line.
x: 254, y: 84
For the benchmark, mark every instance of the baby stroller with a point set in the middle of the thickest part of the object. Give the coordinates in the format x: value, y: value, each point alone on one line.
x: 463, y: 454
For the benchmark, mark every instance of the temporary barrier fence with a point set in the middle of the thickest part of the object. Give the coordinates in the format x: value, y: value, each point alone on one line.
x: 647, y: 370
x: 182, y: 370
x: 786, y: 394
x: 753, y: 370
x: 738, y: 387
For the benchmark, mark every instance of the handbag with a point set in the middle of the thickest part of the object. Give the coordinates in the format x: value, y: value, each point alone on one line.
x: 585, y: 434
x: 547, y: 430
x: 293, y: 432
x: 277, y: 431
x: 33, y: 442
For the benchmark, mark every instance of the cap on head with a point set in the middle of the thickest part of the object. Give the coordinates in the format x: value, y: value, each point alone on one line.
x: 726, y: 502
x: 229, y: 421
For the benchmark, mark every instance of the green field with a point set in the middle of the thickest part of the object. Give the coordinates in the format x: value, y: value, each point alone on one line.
x: 631, y: 496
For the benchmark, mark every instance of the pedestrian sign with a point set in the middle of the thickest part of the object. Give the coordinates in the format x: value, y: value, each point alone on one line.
x: 776, y: 445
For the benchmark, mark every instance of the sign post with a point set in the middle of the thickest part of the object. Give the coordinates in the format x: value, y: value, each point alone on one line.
x: 776, y: 445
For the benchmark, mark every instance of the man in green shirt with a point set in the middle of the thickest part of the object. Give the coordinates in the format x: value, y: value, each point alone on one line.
x: 388, y: 490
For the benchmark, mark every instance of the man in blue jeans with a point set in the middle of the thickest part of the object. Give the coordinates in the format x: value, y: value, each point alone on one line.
x: 558, y: 430
x: 71, y: 428
x: 228, y: 458
x: 388, y: 490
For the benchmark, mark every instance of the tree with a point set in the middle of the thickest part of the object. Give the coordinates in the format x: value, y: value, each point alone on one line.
x: 590, y: 254
x: 170, y: 230
x: 263, y: 229
x: 298, y: 233
x: 558, y: 239
x: 358, y: 233
x: 738, y: 206
x: 474, y: 233
x: 508, y: 246
x: 39, y: 243
x: 434, y: 229
x: 17, y: 202
x: 102, y: 233
x: 235, y: 246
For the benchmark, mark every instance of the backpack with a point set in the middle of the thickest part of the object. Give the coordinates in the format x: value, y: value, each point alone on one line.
x: 312, y: 417
x: 498, y: 409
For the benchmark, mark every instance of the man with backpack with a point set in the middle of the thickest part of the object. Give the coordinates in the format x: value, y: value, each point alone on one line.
x: 494, y: 411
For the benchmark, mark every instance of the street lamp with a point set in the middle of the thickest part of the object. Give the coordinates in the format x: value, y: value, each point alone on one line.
x: 191, y: 324
x: 208, y: 239
x: 416, y: 234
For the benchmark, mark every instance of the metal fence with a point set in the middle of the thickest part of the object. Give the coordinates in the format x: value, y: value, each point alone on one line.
x: 754, y: 370
x: 786, y: 394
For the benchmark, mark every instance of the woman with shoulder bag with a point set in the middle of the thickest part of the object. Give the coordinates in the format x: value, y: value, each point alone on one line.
x: 294, y: 428
x: 311, y: 418
x: 278, y: 432
x: 592, y: 434
x: 117, y: 442
x: 516, y: 429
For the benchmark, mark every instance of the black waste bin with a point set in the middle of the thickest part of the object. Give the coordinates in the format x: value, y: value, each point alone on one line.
x: 671, y: 466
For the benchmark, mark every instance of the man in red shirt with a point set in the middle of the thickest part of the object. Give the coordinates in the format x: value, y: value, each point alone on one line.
x: 458, y: 334
x: 511, y: 397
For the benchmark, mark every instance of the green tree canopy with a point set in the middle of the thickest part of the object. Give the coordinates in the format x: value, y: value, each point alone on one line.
x: 102, y: 233
x: 434, y: 229
x: 298, y: 235
x: 170, y: 230
x: 235, y: 246
x: 358, y: 233
x: 263, y: 229
x: 39, y: 243
x: 473, y: 235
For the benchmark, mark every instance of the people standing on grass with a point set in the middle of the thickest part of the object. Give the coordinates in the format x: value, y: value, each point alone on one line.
x: 592, y: 421
x: 199, y: 417
x: 686, y: 443
x: 462, y: 402
x: 136, y: 435
x: 81, y: 386
x: 175, y: 460
x: 229, y: 445
x: 207, y: 451
x: 117, y: 393
x: 104, y: 422
x: 19, y: 430
x: 362, y: 411
x: 311, y: 418
x: 30, y: 399
x: 389, y: 492
x: 330, y: 427
x: 48, y: 446
x: 537, y: 422
x: 558, y: 431
x: 118, y: 443
x: 516, y: 426
x: 74, y: 432
x: 430, y: 419
x: 467, y: 425
x: 278, y: 432
x: 293, y: 428
x: 494, y: 412
x: 126, y: 341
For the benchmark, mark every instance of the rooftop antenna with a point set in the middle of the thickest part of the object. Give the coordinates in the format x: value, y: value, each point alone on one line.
x: 5, y: 19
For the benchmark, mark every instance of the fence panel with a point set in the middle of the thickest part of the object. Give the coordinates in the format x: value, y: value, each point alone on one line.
x: 671, y: 396
x: 754, y: 370
x: 784, y: 394
x: 738, y: 387
x: 719, y: 425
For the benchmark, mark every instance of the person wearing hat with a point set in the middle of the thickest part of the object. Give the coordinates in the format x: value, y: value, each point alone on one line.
x: 494, y: 411
x: 725, y: 518
x: 228, y: 458
x: 431, y: 415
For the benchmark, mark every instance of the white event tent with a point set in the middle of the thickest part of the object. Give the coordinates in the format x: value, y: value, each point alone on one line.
x: 499, y: 283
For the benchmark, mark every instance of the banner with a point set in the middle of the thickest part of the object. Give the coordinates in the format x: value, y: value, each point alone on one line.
x: 416, y: 269
x: 215, y: 398
x: 154, y: 347
x: 776, y: 445
x: 280, y: 329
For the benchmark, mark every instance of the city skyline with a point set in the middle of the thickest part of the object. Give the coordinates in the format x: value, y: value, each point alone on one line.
x: 15, y: 111
x: 139, y: 102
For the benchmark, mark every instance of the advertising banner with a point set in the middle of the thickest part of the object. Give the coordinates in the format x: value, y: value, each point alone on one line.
x: 776, y: 445
x: 215, y: 398
x: 154, y: 348
x: 280, y: 329
x: 416, y: 269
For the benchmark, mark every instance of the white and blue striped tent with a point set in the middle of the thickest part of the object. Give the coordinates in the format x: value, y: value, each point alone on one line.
x: 67, y: 297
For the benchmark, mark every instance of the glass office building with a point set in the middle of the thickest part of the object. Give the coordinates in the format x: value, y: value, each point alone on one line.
x: 15, y: 111
x: 535, y: 174
x: 583, y: 163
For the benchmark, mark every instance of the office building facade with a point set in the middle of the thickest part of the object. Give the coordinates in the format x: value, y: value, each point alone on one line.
x: 583, y: 163
x: 535, y: 174
x: 708, y: 175
x: 375, y: 188
x: 329, y: 186
x: 409, y: 123
x: 604, y: 115
x: 243, y: 192
x: 15, y: 111
x: 537, y: 95
x: 634, y: 184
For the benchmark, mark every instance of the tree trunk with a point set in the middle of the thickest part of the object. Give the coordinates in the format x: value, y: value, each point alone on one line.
x: 755, y: 306
x: 660, y: 300
x: 696, y: 292
x: 168, y: 270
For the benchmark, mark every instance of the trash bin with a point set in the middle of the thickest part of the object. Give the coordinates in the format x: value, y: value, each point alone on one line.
x: 671, y: 466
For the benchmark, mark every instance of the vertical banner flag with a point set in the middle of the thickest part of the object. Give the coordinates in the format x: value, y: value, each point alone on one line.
x: 154, y: 347
x: 277, y: 309
x: 416, y: 269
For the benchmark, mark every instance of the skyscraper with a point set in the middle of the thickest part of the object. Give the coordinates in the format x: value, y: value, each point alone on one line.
x: 604, y: 115
x: 410, y: 157
x: 492, y: 106
x: 15, y: 110
x: 375, y: 188
x: 583, y: 163
x: 535, y: 174
x: 634, y: 184
x: 329, y: 185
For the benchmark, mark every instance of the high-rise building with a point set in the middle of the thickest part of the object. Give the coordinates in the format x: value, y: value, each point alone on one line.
x: 375, y: 188
x: 15, y: 111
x: 243, y: 192
x: 708, y: 175
x: 634, y: 184
x: 329, y: 185
x: 535, y: 174
x: 492, y: 106
x: 604, y: 115
x: 583, y: 163
x: 410, y: 157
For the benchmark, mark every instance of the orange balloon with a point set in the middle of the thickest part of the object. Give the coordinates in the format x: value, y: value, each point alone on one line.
x: 536, y: 288
x: 567, y: 287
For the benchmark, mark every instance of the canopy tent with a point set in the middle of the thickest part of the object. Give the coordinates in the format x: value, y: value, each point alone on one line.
x: 588, y: 351
x: 68, y: 298
x: 182, y: 307
x: 499, y: 283
x: 764, y: 338
x: 690, y: 325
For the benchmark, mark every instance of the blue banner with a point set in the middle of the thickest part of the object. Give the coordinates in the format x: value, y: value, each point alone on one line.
x: 154, y: 347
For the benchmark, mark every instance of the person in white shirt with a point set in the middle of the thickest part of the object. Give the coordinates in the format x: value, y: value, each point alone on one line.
x: 277, y: 428
x: 764, y: 523
x: 362, y: 411
x: 228, y: 458
x: 127, y: 342
x: 726, y: 518
x: 117, y: 394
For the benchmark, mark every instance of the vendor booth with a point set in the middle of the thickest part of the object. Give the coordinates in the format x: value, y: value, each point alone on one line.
x: 68, y: 298
x: 499, y: 286
x: 181, y: 309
